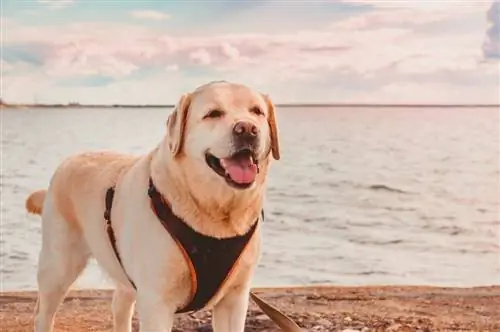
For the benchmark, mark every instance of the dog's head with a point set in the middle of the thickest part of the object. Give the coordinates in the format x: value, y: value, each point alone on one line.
x: 224, y: 131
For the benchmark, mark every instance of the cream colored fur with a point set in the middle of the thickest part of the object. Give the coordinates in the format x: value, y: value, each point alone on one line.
x: 73, y: 225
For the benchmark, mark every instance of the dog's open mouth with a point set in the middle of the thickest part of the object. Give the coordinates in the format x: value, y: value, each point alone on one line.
x: 239, y: 170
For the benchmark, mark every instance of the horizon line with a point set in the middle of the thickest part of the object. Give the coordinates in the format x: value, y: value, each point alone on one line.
x: 311, y: 105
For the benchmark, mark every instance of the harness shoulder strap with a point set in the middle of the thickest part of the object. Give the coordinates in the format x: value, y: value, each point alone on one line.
x: 110, y: 194
x: 211, y: 260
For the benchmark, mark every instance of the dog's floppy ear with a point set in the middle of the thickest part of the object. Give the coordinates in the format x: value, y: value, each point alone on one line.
x: 176, y: 124
x: 271, y: 119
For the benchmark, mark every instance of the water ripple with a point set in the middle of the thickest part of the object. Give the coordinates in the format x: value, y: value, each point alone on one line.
x: 360, y: 196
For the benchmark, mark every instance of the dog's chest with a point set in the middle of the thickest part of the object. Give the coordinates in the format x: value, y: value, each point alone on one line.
x: 211, y: 262
x: 241, y: 273
x: 203, y: 280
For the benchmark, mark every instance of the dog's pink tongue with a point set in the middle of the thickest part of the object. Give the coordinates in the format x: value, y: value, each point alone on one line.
x: 241, y: 170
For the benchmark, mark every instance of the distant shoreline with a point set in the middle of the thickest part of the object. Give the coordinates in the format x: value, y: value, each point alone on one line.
x: 304, y: 105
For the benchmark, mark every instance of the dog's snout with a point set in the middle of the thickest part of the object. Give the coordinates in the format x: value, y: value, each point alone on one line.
x: 246, y: 129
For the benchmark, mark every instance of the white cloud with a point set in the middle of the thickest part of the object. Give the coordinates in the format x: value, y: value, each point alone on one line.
x: 200, y: 56
x: 149, y: 15
x: 230, y: 51
x: 56, y: 4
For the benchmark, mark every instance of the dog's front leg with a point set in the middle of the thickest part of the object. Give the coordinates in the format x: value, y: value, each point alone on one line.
x: 155, y: 315
x: 230, y: 313
x: 123, y: 309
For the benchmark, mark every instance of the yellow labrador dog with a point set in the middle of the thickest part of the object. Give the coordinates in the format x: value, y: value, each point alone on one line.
x: 210, y: 169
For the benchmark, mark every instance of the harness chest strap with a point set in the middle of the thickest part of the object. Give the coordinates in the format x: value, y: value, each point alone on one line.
x: 211, y: 260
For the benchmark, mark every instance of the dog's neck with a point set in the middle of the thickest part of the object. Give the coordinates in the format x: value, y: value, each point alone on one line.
x: 211, y: 210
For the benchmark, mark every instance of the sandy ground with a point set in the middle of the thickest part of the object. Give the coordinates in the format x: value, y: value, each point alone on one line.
x: 313, y: 308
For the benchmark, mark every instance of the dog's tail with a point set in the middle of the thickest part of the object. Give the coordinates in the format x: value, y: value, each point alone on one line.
x: 34, y: 202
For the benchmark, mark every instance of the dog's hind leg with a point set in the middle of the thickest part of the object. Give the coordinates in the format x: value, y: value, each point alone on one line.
x: 63, y: 257
x: 123, y: 309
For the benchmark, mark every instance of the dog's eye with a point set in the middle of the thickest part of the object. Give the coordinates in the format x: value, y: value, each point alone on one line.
x: 214, y: 114
x: 256, y: 110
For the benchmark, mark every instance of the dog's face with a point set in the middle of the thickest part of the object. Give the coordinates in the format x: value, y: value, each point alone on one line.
x: 226, y: 130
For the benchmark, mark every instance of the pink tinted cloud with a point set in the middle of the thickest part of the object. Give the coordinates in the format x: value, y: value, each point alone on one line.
x: 82, y: 49
x: 425, y: 5
x: 391, y: 13
x: 200, y: 56
x: 369, y: 45
x: 149, y: 15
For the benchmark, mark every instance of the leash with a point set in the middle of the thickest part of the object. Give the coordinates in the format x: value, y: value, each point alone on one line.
x: 279, y: 318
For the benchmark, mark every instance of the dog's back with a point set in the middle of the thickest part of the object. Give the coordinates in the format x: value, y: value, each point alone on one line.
x: 80, y: 178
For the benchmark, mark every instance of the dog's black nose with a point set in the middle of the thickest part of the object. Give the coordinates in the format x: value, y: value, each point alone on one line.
x: 245, y: 129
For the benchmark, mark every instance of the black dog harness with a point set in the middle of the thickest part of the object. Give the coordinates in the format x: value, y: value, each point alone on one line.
x: 210, y: 260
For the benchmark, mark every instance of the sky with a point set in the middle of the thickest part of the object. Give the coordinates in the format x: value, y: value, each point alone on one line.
x: 338, y: 51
